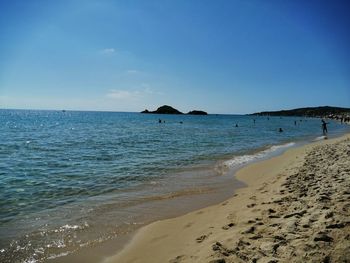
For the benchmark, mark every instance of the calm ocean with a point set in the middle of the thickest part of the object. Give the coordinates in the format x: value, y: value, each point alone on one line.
x: 73, y: 179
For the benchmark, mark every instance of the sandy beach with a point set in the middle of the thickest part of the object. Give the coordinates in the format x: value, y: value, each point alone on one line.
x: 296, y: 208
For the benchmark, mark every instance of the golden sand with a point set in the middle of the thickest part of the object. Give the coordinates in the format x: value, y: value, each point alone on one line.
x: 296, y: 208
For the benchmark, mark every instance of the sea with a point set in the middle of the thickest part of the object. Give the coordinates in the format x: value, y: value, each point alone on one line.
x: 71, y: 180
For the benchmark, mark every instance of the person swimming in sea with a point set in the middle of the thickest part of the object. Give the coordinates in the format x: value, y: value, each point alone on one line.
x: 280, y: 130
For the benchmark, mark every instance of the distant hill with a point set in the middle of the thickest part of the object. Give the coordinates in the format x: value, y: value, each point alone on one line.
x: 165, y: 109
x: 322, y: 111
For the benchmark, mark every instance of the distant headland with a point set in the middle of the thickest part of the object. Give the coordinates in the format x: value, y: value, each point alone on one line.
x: 165, y: 109
x: 321, y: 112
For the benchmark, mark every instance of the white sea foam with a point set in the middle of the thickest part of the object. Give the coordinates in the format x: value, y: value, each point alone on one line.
x: 319, y: 138
x: 69, y: 227
x: 58, y: 255
x: 39, y: 250
x: 243, y: 159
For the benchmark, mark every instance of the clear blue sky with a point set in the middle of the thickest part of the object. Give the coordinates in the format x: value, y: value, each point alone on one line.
x: 218, y: 56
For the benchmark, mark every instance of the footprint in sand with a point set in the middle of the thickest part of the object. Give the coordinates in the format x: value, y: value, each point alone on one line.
x: 158, y: 238
x: 188, y: 225
x: 228, y: 226
x: 249, y: 230
x: 203, y: 237
x: 177, y: 259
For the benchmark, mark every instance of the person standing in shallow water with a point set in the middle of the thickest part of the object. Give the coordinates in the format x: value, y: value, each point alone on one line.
x: 324, y: 128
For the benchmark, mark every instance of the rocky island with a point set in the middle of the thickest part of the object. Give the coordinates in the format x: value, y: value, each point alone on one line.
x: 197, y: 112
x: 165, y: 109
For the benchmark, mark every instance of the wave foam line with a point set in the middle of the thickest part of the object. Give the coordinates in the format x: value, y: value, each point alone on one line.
x: 243, y: 159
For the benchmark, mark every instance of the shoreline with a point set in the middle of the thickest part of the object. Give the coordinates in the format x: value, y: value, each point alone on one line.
x: 196, y: 201
x: 192, y: 237
x: 99, y: 251
x: 177, y: 204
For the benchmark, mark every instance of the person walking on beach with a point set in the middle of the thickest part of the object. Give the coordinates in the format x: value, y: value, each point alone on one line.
x: 324, y: 128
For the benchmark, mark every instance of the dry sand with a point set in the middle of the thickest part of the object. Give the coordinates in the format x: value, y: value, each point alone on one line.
x: 296, y: 208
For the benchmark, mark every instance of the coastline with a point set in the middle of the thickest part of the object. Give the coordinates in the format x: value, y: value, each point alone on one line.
x: 206, y: 234
x: 182, y: 204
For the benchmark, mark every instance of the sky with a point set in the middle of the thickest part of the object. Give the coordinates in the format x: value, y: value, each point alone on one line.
x: 224, y: 56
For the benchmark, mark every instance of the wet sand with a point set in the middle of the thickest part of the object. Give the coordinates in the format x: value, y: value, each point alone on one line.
x: 296, y: 208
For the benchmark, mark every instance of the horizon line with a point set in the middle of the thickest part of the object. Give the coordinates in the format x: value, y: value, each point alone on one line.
x: 115, y: 111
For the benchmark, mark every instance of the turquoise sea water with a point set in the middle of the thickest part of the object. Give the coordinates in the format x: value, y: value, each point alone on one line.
x: 71, y: 179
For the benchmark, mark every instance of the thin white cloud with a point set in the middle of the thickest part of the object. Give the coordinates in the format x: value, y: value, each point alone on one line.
x: 107, y: 51
x: 121, y: 94
x: 133, y: 71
